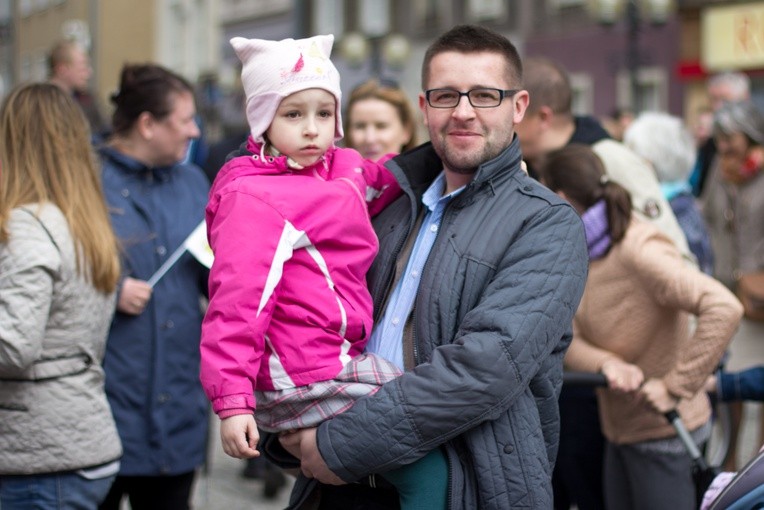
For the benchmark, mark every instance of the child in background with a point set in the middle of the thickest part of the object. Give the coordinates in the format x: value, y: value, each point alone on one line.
x: 289, y: 312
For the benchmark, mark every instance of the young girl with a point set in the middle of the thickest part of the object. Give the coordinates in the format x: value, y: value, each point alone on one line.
x: 289, y: 312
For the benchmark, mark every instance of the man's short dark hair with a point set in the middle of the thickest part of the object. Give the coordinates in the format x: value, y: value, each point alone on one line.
x: 548, y: 84
x: 474, y: 39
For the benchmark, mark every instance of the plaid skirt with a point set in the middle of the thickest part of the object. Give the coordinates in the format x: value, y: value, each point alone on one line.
x: 307, y: 406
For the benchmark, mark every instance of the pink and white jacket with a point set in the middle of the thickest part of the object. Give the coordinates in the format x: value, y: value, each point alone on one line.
x: 288, y: 304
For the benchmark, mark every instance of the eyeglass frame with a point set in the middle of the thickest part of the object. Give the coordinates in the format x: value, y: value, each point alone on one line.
x: 502, y: 94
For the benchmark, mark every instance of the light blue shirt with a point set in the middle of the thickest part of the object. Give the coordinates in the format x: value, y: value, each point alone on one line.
x: 387, y: 337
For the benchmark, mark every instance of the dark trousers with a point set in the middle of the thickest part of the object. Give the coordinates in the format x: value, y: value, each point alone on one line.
x: 577, y: 477
x: 357, y: 497
x: 151, y: 492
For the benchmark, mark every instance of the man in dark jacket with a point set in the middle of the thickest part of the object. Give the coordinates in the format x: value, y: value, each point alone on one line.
x: 479, y: 273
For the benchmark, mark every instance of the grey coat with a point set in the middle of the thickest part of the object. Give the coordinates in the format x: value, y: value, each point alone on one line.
x: 53, y: 324
x: 492, y: 321
x: 734, y: 214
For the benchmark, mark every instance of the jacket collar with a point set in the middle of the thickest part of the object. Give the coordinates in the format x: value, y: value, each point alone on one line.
x: 133, y: 166
x: 417, y: 169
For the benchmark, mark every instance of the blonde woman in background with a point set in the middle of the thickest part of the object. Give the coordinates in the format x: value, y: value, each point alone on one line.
x: 379, y: 120
x: 59, y: 267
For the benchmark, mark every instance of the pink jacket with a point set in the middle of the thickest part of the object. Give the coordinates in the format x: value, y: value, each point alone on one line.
x: 289, y: 304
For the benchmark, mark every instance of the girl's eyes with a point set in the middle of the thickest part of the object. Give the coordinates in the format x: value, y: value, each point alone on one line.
x: 295, y: 114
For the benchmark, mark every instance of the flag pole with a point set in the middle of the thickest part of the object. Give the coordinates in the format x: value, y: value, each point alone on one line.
x: 167, y: 265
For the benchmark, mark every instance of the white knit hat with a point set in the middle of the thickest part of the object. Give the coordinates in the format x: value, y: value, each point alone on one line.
x: 272, y: 70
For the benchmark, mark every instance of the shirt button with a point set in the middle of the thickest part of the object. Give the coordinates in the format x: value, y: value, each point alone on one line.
x: 163, y: 397
x: 125, y: 193
x: 414, y: 274
x: 395, y: 321
x: 433, y: 228
x: 161, y: 250
x: 168, y: 325
x: 508, y: 449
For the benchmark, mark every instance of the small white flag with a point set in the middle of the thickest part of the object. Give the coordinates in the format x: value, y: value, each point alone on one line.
x: 196, y: 244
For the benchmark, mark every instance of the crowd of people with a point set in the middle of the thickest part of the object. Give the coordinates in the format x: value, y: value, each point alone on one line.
x: 387, y: 320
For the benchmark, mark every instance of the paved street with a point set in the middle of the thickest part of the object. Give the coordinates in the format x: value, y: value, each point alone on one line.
x: 223, y: 487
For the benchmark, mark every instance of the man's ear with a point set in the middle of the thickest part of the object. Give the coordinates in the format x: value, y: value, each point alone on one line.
x: 545, y: 114
x: 521, y: 100
x: 423, y: 107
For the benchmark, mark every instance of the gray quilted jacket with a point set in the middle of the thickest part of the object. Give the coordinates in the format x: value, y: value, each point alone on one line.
x: 492, y: 320
x: 53, y: 324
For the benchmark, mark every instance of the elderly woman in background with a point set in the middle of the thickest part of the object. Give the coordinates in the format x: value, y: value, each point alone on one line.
x: 733, y: 207
x: 152, y: 357
x: 669, y: 147
x: 379, y: 120
x: 59, y: 266
x: 633, y: 326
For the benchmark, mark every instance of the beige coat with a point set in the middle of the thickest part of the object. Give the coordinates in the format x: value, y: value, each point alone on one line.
x: 53, y: 324
x: 636, y: 306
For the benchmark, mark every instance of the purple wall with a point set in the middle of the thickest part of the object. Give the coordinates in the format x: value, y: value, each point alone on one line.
x: 602, y: 52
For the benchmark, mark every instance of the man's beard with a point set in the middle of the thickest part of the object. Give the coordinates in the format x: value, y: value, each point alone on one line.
x: 466, y: 163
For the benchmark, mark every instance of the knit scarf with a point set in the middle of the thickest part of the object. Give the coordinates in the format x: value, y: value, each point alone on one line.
x: 597, y: 230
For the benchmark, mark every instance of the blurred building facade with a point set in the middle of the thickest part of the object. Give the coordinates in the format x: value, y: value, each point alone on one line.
x: 180, y: 34
x: 619, y: 64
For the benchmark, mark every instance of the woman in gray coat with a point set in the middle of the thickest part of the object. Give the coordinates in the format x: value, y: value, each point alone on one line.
x: 59, y: 267
x: 733, y: 206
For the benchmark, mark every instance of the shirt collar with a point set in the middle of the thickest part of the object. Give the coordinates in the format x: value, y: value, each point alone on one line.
x: 434, y: 193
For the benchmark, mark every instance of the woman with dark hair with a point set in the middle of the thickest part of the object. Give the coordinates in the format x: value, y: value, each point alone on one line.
x: 380, y: 120
x: 632, y: 325
x: 152, y: 356
x: 59, y: 265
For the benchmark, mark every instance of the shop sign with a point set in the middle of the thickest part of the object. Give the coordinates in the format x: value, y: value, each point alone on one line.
x: 732, y: 37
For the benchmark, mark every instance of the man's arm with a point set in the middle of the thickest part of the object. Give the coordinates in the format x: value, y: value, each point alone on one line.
x: 520, y: 319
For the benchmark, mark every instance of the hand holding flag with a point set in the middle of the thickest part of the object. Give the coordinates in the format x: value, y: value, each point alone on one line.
x: 196, y: 244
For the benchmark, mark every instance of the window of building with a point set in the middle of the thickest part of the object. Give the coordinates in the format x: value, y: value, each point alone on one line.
x: 26, y: 7
x: 486, y: 10
x: 582, y: 100
x: 559, y: 4
x: 652, y: 89
x: 431, y: 15
x: 329, y: 18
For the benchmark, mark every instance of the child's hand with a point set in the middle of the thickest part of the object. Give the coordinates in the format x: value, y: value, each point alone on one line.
x: 239, y: 436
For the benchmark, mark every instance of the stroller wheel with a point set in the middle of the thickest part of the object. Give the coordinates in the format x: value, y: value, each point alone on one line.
x: 721, y: 436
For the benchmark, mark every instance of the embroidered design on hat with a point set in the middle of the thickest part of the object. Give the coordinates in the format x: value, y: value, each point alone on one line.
x: 299, y: 65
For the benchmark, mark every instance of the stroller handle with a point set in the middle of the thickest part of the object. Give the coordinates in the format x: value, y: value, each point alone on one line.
x: 572, y: 378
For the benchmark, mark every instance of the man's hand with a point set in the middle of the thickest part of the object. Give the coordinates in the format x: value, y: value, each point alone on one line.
x: 657, y: 396
x: 313, y: 465
x: 239, y: 436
